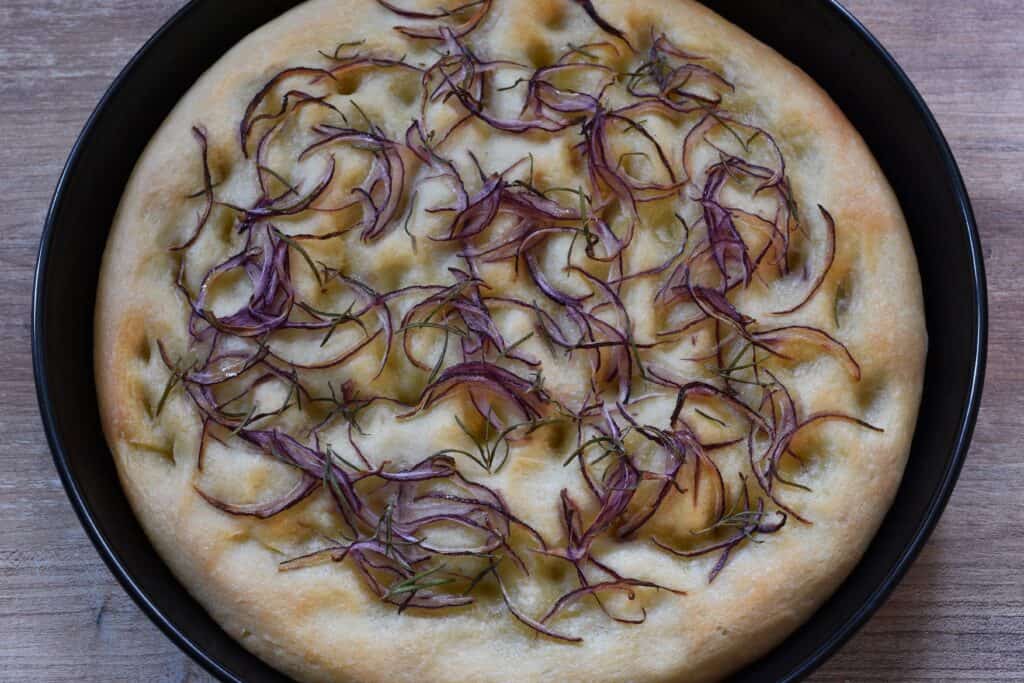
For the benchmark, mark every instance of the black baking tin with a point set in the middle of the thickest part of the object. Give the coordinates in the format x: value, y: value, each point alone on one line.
x: 818, y: 35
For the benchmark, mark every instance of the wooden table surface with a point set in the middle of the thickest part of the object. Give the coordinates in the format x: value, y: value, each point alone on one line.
x: 959, y: 613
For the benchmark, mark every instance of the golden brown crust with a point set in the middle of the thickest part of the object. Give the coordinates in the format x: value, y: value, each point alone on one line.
x: 321, y: 624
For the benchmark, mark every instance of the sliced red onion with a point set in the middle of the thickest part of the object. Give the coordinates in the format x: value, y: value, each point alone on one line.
x: 588, y: 7
x: 727, y: 245
x: 246, y: 125
x: 774, y: 340
x: 479, y: 213
x: 522, y: 395
x: 381, y: 192
x: 830, y: 256
x: 539, y: 279
x: 305, y: 486
x: 271, y: 300
x: 527, y: 203
x: 756, y: 524
x: 678, y: 444
x: 626, y: 586
x: 704, y: 390
x: 438, y: 33
x: 714, y: 303
x: 271, y: 209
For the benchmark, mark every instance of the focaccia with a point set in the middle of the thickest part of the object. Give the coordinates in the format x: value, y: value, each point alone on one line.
x: 508, y: 340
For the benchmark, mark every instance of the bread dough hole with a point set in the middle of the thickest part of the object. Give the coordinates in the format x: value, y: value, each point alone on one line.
x: 871, y: 396
x: 147, y: 404
x: 554, y: 15
x: 797, y: 465
x: 798, y: 259
x: 555, y: 571
x: 841, y: 302
x: 163, y: 448
x: 349, y: 83
x: 539, y: 53
x: 145, y: 349
x: 406, y: 90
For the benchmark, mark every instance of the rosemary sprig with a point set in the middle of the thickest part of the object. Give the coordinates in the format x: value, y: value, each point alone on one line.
x: 712, y: 418
x: 303, y: 253
x: 178, y: 372
x: 418, y: 582
x: 336, y: 55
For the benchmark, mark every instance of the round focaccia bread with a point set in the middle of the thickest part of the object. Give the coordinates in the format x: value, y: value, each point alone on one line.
x: 710, y: 458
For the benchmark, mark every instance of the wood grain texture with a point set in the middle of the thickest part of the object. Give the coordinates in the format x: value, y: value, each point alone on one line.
x: 959, y: 613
